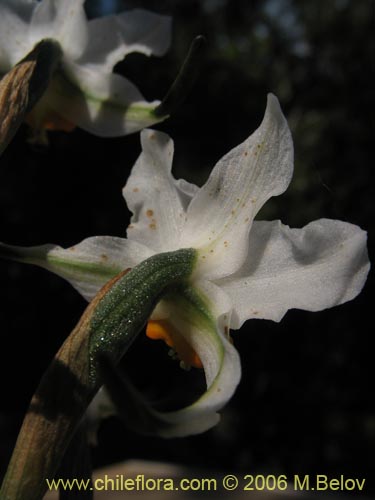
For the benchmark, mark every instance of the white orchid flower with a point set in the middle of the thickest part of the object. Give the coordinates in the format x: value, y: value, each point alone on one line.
x: 84, y: 92
x: 244, y: 269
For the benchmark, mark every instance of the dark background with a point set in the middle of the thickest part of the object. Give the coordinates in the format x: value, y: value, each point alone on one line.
x: 306, y: 399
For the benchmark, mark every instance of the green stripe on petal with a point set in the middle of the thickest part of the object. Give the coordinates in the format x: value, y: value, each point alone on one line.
x: 87, y: 265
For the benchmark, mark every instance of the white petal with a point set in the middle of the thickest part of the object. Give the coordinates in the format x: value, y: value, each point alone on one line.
x: 112, y: 37
x: 88, y: 265
x: 320, y: 266
x: 219, y: 358
x: 152, y: 196
x: 104, y: 104
x: 14, y: 19
x: 187, y: 191
x: 220, y: 215
x: 63, y: 20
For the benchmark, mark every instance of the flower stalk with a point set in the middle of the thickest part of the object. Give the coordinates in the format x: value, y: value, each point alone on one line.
x: 107, y: 328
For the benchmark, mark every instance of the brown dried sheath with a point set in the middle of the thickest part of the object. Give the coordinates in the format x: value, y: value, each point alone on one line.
x: 24, y: 85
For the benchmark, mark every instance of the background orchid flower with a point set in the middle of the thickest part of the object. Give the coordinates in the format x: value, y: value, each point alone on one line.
x: 244, y: 268
x: 84, y: 91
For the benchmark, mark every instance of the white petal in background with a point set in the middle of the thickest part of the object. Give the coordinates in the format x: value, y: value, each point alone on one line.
x: 320, y: 266
x: 15, y: 17
x: 220, y: 215
x: 112, y: 37
x: 86, y: 93
x: 65, y: 21
x: 105, y: 104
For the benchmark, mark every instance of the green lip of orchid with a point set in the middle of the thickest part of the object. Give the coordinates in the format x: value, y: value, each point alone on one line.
x: 85, y: 92
x: 245, y: 268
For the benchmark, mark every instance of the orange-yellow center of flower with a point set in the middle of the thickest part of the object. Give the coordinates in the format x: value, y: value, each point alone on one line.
x: 163, y: 330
